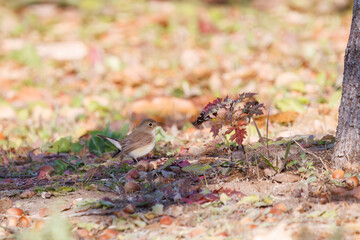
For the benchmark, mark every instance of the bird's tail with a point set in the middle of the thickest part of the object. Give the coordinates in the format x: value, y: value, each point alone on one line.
x: 115, y: 142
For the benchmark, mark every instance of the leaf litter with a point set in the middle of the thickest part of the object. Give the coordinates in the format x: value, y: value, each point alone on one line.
x: 109, y: 71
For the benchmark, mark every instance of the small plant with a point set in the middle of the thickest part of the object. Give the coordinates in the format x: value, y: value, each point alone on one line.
x: 98, y: 145
x: 235, y: 113
x: 307, y: 168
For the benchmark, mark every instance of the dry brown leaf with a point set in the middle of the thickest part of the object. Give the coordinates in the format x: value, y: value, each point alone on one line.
x: 27, y: 194
x: 286, y: 178
x: 5, y: 204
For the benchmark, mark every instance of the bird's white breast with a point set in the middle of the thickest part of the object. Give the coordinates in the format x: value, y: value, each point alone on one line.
x: 142, y: 151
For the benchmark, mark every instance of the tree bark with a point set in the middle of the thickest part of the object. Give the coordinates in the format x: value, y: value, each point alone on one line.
x: 347, y: 147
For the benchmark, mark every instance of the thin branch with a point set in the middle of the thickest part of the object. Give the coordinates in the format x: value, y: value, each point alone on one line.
x: 314, y: 155
x: 261, y: 139
x: 93, y: 212
x: 267, y: 131
x: 17, y: 176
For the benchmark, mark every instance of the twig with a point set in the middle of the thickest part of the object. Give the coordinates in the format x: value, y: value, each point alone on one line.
x: 93, y: 212
x: 308, y: 152
x: 257, y: 170
x: 267, y: 132
x: 17, y: 176
x: 59, y: 155
x: 261, y: 139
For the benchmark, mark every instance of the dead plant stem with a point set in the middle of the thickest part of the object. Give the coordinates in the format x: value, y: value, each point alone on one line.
x: 312, y: 154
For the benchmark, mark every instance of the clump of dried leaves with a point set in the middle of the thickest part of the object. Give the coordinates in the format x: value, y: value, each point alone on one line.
x: 234, y: 113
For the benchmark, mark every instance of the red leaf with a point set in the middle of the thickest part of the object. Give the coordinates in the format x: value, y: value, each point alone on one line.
x: 201, y: 198
x: 183, y: 151
x: 228, y: 192
x: 208, y: 110
x: 7, y: 180
x: 211, y: 197
x: 205, y: 26
x: 238, y: 136
x: 215, y: 128
x: 183, y: 163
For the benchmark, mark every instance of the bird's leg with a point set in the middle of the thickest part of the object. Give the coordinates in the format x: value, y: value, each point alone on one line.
x: 135, y: 160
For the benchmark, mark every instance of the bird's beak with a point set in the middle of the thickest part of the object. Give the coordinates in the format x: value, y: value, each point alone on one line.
x: 159, y: 123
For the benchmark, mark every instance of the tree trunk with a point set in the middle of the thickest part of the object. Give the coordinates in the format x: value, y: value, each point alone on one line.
x: 347, y: 146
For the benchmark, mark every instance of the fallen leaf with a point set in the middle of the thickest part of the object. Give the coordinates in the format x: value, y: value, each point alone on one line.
x: 44, y: 212
x: 174, y: 210
x: 196, y: 232
x: 27, y: 194
x: 224, y: 198
x: 83, y: 233
x: 108, y: 234
x: 158, y: 209
x: 5, y: 204
x: 329, y: 214
x: 286, y: 178
x: 62, y: 51
x: 166, y: 220
x: 150, y: 215
x: 249, y: 199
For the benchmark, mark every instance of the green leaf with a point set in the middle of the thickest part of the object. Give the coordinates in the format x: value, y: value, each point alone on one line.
x: 268, y: 200
x: 60, y: 166
x: 61, y: 146
x: 158, y: 209
x: 197, y: 169
x: 77, y: 101
x: 329, y: 214
x: 105, y: 204
x: 27, y: 56
x: 86, y: 204
x: 88, y: 225
x: 298, y: 86
x: 168, y: 162
x: 249, y: 199
x: 66, y: 189
x: 124, y: 130
x: 321, y: 78
x: 76, y: 147
x: 292, y: 163
x: 268, y: 162
x: 347, y: 175
x: 288, y: 146
x: 335, y: 99
x: 287, y: 104
x: 96, y: 145
x: 139, y: 223
x: 161, y: 135
x: 311, y: 179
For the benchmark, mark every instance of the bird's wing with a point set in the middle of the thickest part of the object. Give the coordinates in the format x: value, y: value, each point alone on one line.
x: 115, y: 142
x: 135, y: 140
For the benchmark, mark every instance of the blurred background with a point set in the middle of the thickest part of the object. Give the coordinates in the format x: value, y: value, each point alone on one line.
x: 68, y: 67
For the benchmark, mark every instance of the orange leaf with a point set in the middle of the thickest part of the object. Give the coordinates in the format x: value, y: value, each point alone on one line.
x: 166, y: 220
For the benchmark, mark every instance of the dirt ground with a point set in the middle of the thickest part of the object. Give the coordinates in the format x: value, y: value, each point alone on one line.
x: 250, y: 201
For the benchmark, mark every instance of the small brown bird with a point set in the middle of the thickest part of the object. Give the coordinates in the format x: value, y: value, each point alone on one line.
x: 138, y: 143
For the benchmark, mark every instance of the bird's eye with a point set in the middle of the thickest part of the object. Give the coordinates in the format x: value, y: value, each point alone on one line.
x: 150, y: 124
